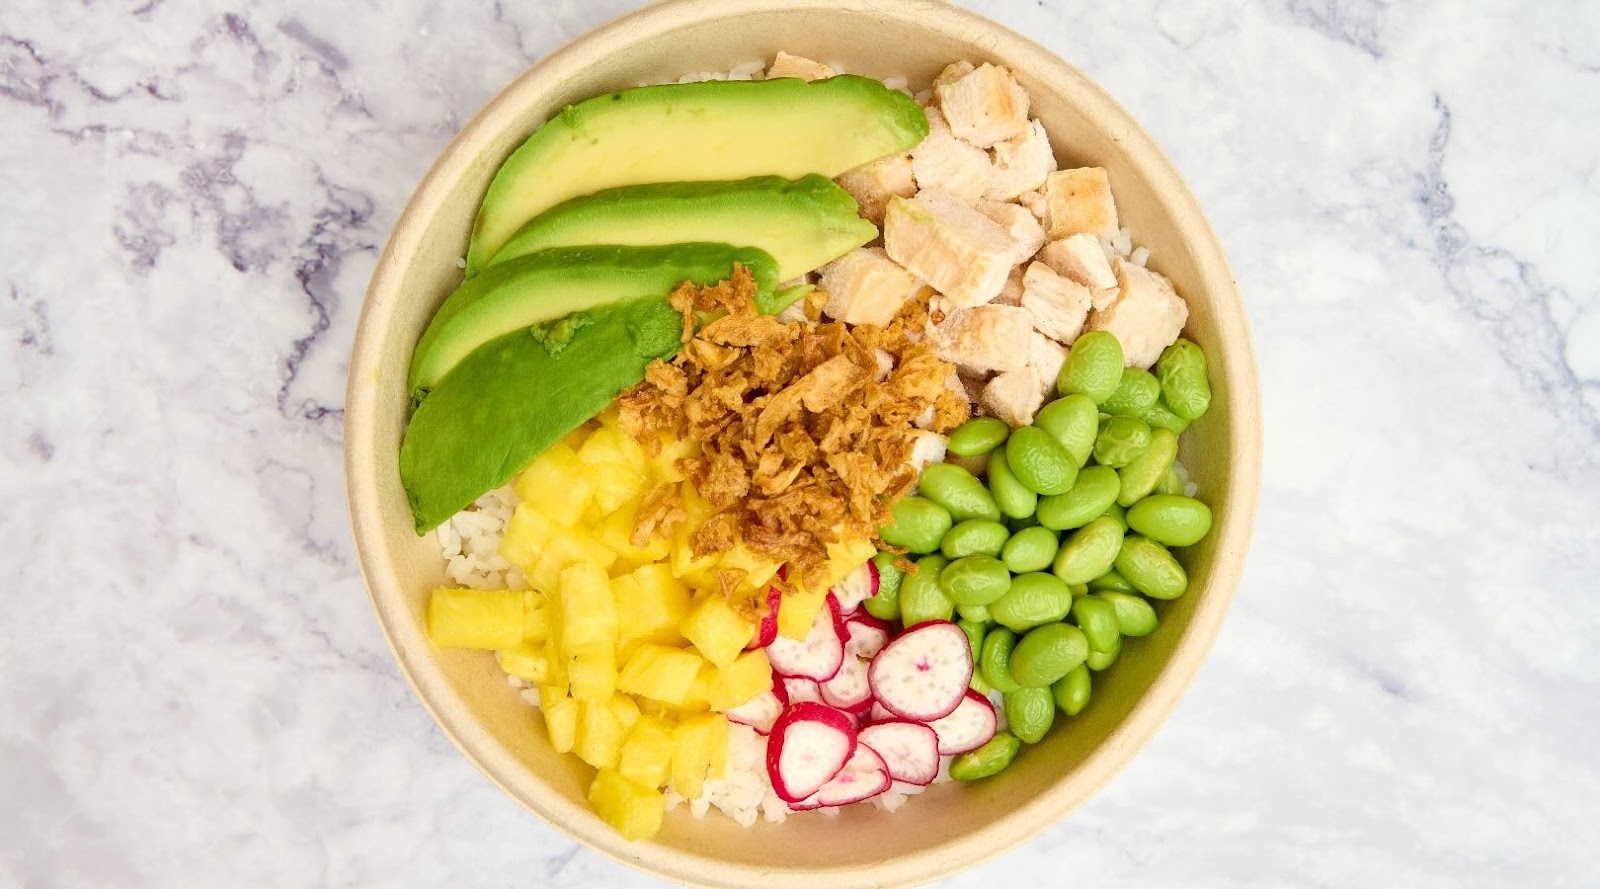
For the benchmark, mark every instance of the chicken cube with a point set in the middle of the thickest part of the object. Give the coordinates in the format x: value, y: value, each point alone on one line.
x: 1146, y: 317
x: 953, y: 72
x: 1081, y: 258
x: 926, y: 447
x: 985, y: 338
x: 874, y: 184
x: 1037, y: 205
x: 944, y: 162
x: 1058, y: 305
x: 1018, y: 223
x: 865, y: 286
x: 1011, y: 294
x: 960, y: 252
x: 1021, y: 164
x: 786, y: 65
x: 1013, y: 396
x: 984, y: 106
x: 1046, y: 356
x: 1080, y: 201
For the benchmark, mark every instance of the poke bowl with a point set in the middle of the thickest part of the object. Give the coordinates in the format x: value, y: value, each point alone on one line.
x: 568, y: 554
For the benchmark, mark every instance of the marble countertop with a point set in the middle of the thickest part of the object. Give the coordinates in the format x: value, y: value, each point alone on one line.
x: 194, y: 692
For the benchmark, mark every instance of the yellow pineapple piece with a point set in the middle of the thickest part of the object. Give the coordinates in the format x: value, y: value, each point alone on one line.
x: 665, y: 463
x: 559, y: 483
x: 569, y: 546
x: 759, y: 570
x: 798, y: 609
x: 647, y: 752
x: 526, y: 536
x: 694, y: 743
x: 846, y: 556
x: 536, y: 621
x: 560, y: 717
x: 529, y: 661
x: 592, y: 671
x: 684, y: 565
x: 626, y: 710
x: 632, y: 808
x: 717, y: 762
x: 484, y: 619
x: 618, y: 466
x: 650, y: 603
x: 616, y: 532
x: 749, y: 675
x: 716, y: 629
x: 661, y: 673
x: 600, y: 733
x: 588, y: 613
x: 698, y: 697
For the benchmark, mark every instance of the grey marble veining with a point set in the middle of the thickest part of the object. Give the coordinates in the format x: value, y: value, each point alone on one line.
x: 193, y: 690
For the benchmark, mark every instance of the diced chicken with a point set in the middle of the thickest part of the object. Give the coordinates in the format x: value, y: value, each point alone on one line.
x: 1081, y: 258
x: 1021, y: 164
x: 884, y: 364
x: 960, y: 252
x: 1011, y: 294
x: 953, y: 72
x: 1046, y: 356
x: 1080, y: 201
x: 1037, y: 205
x: 786, y: 65
x: 1019, y: 224
x: 984, y: 106
x: 1146, y: 316
x: 865, y: 286
x: 972, y: 382
x: 944, y: 162
x: 926, y: 447
x: 1057, y: 305
x: 874, y: 184
x: 1013, y: 396
x: 985, y: 338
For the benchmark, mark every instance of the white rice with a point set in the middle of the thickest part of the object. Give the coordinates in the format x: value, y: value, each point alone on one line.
x: 470, y: 542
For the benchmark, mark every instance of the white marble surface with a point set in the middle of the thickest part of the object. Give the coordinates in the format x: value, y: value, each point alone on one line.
x: 193, y: 690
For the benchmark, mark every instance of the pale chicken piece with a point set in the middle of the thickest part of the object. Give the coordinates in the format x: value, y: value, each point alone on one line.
x: 865, y: 286
x: 1080, y: 201
x: 1013, y: 396
x: 786, y: 65
x: 1146, y: 317
x: 1011, y: 294
x: 952, y: 73
x: 1057, y: 305
x: 1081, y: 258
x: 874, y: 184
x: 972, y: 383
x: 926, y: 447
x: 944, y: 162
x: 960, y: 252
x: 1046, y: 356
x: 1037, y: 205
x: 1019, y: 224
x: 984, y: 106
x: 986, y: 338
x: 1021, y: 164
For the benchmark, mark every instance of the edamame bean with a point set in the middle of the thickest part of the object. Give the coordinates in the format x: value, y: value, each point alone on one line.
x: 1039, y: 462
x: 1029, y: 713
x: 919, y: 524
x: 1072, y: 692
x: 1182, y: 372
x: 1031, y: 549
x: 921, y: 597
x: 987, y: 761
x: 1100, y: 660
x: 994, y: 660
x: 974, y: 536
x: 1139, y: 477
x: 1120, y: 440
x: 958, y: 491
x: 1135, y: 616
x: 1159, y: 416
x: 1116, y: 510
x: 1022, y: 524
x: 1048, y: 653
x: 1112, y: 581
x: 886, y: 604
x: 1170, y: 519
x: 1011, y: 496
x: 976, y: 465
x: 975, y: 580
x: 1073, y: 422
x: 1097, y: 618
x: 1135, y: 393
x: 1089, y: 551
x: 1171, y: 482
x: 1035, y: 599
x: 979, y: 435
x: 974, y: 631
x: 977, y: 613
x: 1091, y: 495
x: 1150, y: 568
x: 1093, y: 368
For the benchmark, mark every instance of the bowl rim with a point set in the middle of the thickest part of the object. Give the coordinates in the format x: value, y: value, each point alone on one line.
x: 1154, y: 705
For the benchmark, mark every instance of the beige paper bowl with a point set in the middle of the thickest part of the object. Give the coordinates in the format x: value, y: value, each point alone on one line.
x: 952, y: 826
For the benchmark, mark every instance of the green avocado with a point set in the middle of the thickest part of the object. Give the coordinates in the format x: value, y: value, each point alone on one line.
x: 694, y: 132
x: 551, y: 284
x: 804, y: 223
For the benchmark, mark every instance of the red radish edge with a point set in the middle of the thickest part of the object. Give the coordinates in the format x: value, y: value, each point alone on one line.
x: 867, y: 635
x: 761, y: 711
x: 809, y: 745
x: 863, y: 776
x: 768, y: 629
x: 909, y: 749
x: 819, y: 655
x: 858, y: 586
x: 969, y: 726
x: 923, y: 674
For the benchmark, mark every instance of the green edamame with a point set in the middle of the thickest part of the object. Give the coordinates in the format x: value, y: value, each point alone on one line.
x: 987, y: 761
x: 975, y: 580
x: 1100, y: 660
x: 994, y: 660
x: 1097, y: 618
x: 1093, y: 367
x: 1089, y: 551
x: 1142, y: 473
x: 1029, y: 713
x: 958, y: 491
x: 979, y: 435
x: 1022, y: 524
x: 1035, y: 599
x: 1048, y: 653
x: 974, y: 631
x: 1150, y: 568
x: 921, y: 597
x: 1171, y: 482
x: 1039, y: 462
x: 1117, y: 510
x: 1031, y: 549
x: 976, y: 465
x: 1111, y: 581
x: 1011, y: 496
x: 1184, y: 386
x: 1135, y: 616
x: 1091, y: 495
x: 1072, y: 691
x: 919, y: 525
x: 1135, y: 393
x: 977, y: 613
x: 1170, y: 519
x: 886, y: 604
x: 974, y: 536
x: 1159, y: 416
x: 1073, y: 422
x: 1120, y: 440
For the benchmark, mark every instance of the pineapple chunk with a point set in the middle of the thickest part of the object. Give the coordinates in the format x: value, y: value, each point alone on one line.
x: 798, y: 609
x: 665, y: 463
x: 484, y: 619
x: 846, y: 556
x: 600, y: 733
x: 632, y: 808
x: 592, y: 671
x: 660, y: 673
x: 560, y: 717
x: 650, y: 603
x: 647, y: 752
x: 588, y: 613
x: 618, y: 466
x: 684, y: 564
x: 698, y: 698
x: 717, y: 630
x: 694, y: 744
x: 536, y: 622
x: 717, y: 762
x: 559, y: 483
x: 526, y: 536
x: 568, y: 547
x: 749, y: 675
x: 626, y: 710
x: 527, y: 661
x: 758, y: 570
x: 616, y: 534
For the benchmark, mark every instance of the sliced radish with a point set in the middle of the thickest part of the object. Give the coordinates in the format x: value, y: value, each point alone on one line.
x: 809, y: 745
x: 864, y: 776
x: 768, y: 630
x: 879, y: 713
x: 858, y: 586
x: 760, y: 712
x: 909, y: 749
x: 819, y: 655
x: 923, y: 673
x: 968, y: 727
x: 801, y: 691
x: 848, y: 689
x: 867, y: 635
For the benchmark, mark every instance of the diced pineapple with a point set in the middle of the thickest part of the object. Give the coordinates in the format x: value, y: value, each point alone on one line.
x: 749, y: 675
x: 568, y: 547
x: 559, y: 483
x: 632, y: 808
x: 616, y: 534
x: 665, y: 463
x: 694, y: 742
x: 698, y: 698
x: 600, y: 733
x: 484, y: 619
x: 798, y: 609
x: 661, y: 673
x: 650, y: 603
x: 846, y: 556
x: 618, y: 466
x: 647, y: 752
x: 588, y: 613
x: 592, y: 671
x: 528, y: 661
x: 560, y: 717
x: 536, y: 622
x: 758, y: 570
x: 626, y: 710
x: 526, y: 536
x: 717, y: 736
x: 716, y: 629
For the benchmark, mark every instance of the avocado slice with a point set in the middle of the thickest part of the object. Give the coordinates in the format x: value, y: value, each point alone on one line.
x: 694, y: 132
x: 548, y: 285
x: 514, y: 397
x: 804, y: 223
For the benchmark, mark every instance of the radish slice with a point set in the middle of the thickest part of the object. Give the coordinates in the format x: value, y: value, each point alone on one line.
x: 857, y: 587
x: 924, y: 672
x: 819, y: 655
x: 879, y: 713
x: 848, y: 689
x: 760, y: 712
x: 768, y: 630
x: 909, y: 749
x: 867, y: 635
x: 864, y: 776
x: 968, y: 727
x: 801, y: 691
x: 809, y: 745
